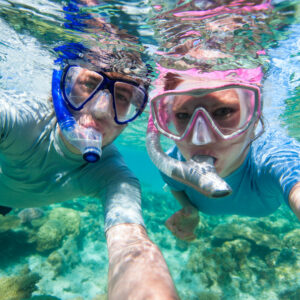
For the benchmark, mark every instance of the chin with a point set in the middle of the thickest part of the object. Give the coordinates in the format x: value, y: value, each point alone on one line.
x: 107, y: 141
x: 221, y: 172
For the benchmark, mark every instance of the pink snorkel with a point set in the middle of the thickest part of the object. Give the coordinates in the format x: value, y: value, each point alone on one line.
x: 199, y: 172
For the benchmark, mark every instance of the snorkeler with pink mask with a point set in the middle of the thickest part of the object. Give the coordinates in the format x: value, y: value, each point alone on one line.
x: 224, y: 161
x: 215, y: 120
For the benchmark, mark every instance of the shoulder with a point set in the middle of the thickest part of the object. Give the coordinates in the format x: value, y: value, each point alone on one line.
x: 276, y: 157
x: 22, y: 121
x: 275, y: 144
x: 21, y: 110
x: 275, y: 153
x: 111, y: 154
x: 113, y: 163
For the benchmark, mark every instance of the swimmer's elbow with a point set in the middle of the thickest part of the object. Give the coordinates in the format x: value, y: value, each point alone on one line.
x: 294, y: 199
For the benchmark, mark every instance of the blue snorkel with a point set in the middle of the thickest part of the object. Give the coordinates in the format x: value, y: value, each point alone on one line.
x: 87, y: 140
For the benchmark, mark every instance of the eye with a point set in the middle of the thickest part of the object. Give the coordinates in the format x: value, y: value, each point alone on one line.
x: 88, y: 83
x: 91, y: 86
x: 182, y: 116
x: 122, y: 98
x: 223, y: 112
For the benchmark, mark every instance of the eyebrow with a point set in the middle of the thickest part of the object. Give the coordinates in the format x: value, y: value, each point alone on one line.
x: 116, y: 76
x: 125, y: 91
x: 209, y: 104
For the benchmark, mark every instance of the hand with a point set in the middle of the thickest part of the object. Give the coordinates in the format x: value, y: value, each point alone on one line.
x: 183, y: 223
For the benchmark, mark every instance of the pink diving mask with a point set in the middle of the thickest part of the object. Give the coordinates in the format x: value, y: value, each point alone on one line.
x: 204, y: 110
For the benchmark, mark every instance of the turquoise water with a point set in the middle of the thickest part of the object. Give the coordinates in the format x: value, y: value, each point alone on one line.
x: 232, y: 258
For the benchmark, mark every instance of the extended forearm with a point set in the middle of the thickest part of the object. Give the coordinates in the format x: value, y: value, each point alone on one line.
x: 137, y: 269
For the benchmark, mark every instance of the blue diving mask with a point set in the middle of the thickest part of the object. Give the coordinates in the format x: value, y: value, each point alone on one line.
x: 80, y: 85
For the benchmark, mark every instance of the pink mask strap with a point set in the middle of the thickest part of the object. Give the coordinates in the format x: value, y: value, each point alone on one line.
x: 151, y: 127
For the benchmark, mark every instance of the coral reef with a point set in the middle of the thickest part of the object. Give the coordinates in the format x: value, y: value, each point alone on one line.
x: 252, y: 232
x: 241, y: 256
x: 42, y: 298
x: 8, y: 223
x: 232, y: 257
x: 55, y: 259
x: 292, y: 239
x: 69, y: 219
x: 18, y: 287
x: 27, y: 215
x: 100, y: 297
x: 49, y: 236
x: 61, y: 222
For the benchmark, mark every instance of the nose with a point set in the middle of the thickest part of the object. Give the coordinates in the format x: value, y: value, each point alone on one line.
x: 202, y: 133
x: 102, y: 105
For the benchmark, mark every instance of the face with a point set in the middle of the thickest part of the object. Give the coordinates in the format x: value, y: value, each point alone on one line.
x: 98, y: 112
x: 224, y: 108
x: 102, y: 121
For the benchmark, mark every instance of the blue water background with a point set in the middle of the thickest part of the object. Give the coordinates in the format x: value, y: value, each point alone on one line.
x: 26, y: 67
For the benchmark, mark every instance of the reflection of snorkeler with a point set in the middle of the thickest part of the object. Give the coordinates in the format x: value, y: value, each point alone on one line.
x: 214, y: 115
x: 54, y: 155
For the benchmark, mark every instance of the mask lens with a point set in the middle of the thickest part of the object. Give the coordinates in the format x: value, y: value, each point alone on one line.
x: 227, y: 110
x: 129, y: 100
x: 79, y: 84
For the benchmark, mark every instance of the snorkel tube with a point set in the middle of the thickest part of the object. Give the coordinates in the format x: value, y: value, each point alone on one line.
x: 87, y: 140
x: 198, y: 173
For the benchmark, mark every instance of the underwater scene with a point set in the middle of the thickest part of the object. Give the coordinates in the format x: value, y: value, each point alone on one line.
x: 59, y: 251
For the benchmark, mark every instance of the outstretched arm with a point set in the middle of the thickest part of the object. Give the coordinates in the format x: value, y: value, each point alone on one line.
x: 137, y: 269
x: 294, y: 199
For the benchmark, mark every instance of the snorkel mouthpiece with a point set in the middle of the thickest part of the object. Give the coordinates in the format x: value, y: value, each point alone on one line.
x: 91, y: 156
x: 91, y: 145
x: 210, y: 180
x: 198, y: 173
x: 87, y: 140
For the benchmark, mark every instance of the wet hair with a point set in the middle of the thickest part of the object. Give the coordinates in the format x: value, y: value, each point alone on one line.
x: 127, y: 63
x: 171, y: 81
x: 107, y: 58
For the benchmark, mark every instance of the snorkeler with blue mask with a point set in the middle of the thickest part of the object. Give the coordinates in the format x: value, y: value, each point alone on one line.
x: 60, y: 150
x: 86, y: 102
